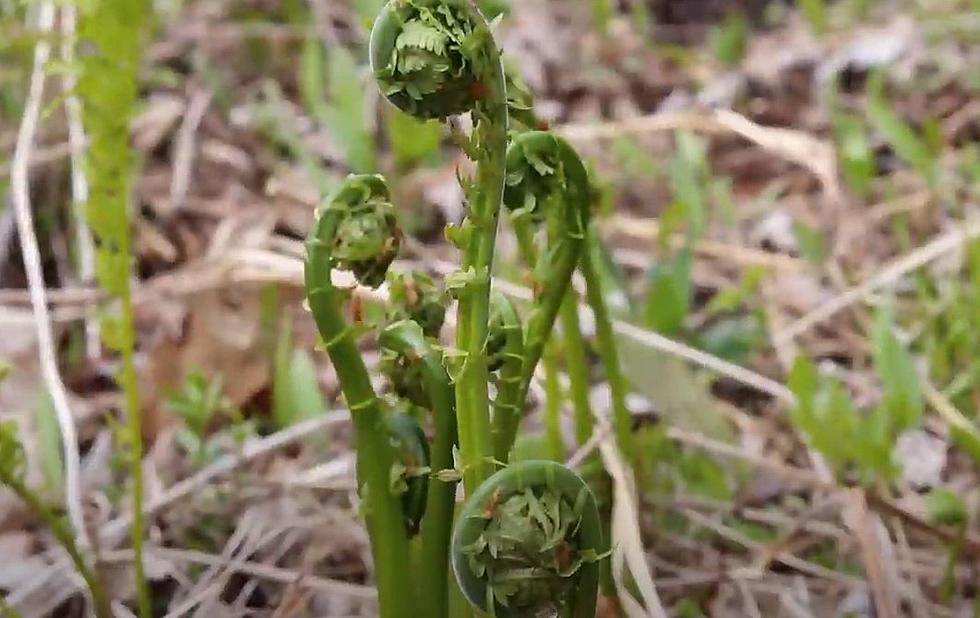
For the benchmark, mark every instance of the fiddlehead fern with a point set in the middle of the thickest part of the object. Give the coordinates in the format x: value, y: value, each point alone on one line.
x: 349, y: 222
x: 433, y: 59
x: 529, y: 537
x: 414, y: 298
x: 546, y: 185
x: 528, y: 541
x: 422, y: 53
x: 367, y: 237
x: 406, y: 339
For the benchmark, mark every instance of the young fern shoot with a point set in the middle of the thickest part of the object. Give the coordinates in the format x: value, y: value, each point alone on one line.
x: 108, y: 88
x: 355, y: 229
x: 435, y: 59
x: 546, y: 184
x: 432, y: 390
x: 528, y: 543
x: 528, y: 538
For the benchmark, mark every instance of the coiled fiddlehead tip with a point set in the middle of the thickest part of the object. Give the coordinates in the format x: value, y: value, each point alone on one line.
x: 425, y: 56
x: 367, y: 237
x: 529, y: 540
x: 534, y: 171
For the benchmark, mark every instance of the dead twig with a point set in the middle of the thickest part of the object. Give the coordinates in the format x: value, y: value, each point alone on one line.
x: 877, y: 565
x: 111, y: 532
x: 41, y: 156
x: 649, y: 229
x: 950, y: 241
x: 226, y: 464
x: 184, y: 148
x: 20, y: 190
x: 626, y: 540
x: 801, y: 148
x: 255, y: 569
x: 79, y: 183
x: 784, y: 557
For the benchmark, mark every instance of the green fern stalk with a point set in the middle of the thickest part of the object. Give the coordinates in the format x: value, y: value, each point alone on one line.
x: 607, y: 347
x: 355, y: 229
x: 111, y: 31
x: 547, y: 184
x: 552, y: 403
x: 12, y: 466
x: 407, y: 339
x: 505, y: 349
x: 577, y: 365
x: 63, y: 534
x: 434, y: 59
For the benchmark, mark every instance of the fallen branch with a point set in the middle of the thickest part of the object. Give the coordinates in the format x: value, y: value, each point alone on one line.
x: 20, y: 193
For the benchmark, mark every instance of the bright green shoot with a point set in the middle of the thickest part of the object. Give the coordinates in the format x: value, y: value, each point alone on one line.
x: 107, y: 86
x: 437, y: 425
x: 12, y: 476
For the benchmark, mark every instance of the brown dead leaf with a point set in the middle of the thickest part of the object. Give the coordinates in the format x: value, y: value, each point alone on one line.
x: 221, y: 335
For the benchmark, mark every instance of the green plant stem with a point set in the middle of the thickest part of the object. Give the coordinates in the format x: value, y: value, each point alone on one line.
x: 947, y: 587
x: 577, y: 365
x: 606, y: 345
x: 407, y: 338
x: 552, y: 403
x: 507, y: 413
x: 389, y: 541
x: 506, y: 409
x: 507, y: 422
x: 65, y: 537
x: 472, y: 395
x: 108, y: 87
x: 567, y: 215
x: 127, y: 377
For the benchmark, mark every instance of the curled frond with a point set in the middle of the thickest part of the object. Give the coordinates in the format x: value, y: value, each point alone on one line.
x: 534, y: 174
x: 362, y: 229
x: 415, y: 296
x: 543, y: 166
x: 528, y: 543
x: 429, y: 55
x: 547, y: 186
